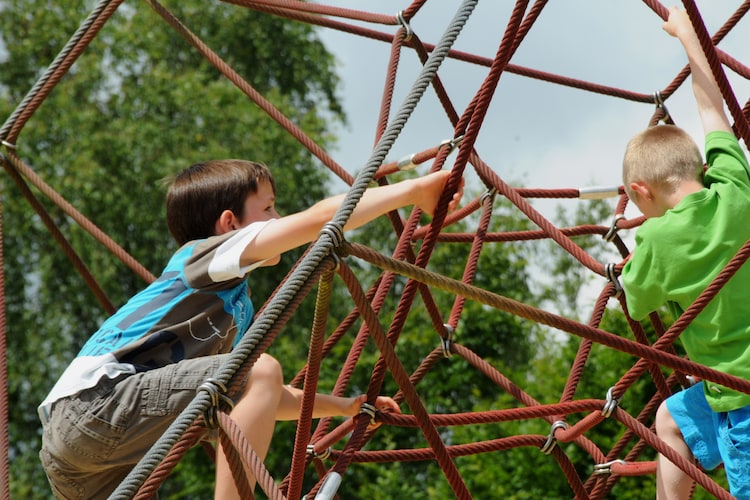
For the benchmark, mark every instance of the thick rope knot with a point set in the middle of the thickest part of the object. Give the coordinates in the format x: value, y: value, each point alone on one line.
x: 219, y: 401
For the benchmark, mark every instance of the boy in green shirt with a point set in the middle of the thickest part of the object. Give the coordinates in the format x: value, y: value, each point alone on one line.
x: 696, y: 222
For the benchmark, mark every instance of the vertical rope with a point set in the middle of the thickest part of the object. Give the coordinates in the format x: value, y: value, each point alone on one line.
x: 4, y: 460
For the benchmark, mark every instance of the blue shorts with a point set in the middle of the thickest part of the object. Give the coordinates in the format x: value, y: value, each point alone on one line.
x: 715, y: 437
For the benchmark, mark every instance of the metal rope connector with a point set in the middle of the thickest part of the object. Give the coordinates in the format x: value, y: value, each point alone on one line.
x: 611, y: 273
x: 452, y: 143
x: 405, y: 24
x: 606, y: 468
x: 659, y: 101
x: 598, y: 192
x: 551, y: 439
x: 610, y: 235
x: 368, y: 409
x: 407, y: 163
x: 611, y: 404
x: 447, y: 341
x: 330, y: 486
x: 217, y: 391
x: 335, y: 231
x: 9, y: 145
x: 488, y: 195
x: 321, y: 456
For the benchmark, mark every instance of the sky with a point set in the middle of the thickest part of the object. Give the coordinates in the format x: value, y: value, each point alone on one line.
x: 536, y: 134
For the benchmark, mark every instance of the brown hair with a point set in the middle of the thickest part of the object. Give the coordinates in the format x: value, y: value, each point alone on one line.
x: 662, y: 156
x: 199, y: 194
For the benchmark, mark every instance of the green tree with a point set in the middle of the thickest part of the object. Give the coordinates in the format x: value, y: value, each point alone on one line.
x: 138, y: 106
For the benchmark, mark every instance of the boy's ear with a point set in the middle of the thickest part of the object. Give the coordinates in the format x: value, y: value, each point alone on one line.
x: 642, y: 189
x: 225, y: 223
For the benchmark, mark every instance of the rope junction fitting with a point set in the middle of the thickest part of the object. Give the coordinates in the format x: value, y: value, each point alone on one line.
x: 405, y: 24
x: 321, y: 456
x: 598, y: 192
x: 447, y: 341
x: 610, y: 235
x: 611, y: 404
x: 606, y: 468
x: 611, y: 272
x: 335, y: 231
x: 659, y: 101
x: 219, y: 400
x: 408, y: 163
x: 329, y: 488
x: 368, y: 409
x: 489, y: 194
x: 551, y: 439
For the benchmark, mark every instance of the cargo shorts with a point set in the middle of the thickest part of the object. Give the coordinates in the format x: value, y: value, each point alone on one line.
x: 93, y: 439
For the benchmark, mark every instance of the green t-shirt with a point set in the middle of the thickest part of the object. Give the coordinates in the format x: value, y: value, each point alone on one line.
x: 677, y: 256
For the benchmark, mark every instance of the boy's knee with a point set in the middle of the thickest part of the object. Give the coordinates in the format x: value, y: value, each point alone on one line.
x: 664, y: 423
x: 267, y: 370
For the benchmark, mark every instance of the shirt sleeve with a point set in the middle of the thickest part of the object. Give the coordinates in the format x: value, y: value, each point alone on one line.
x: 216, y: 260
x: 225, y: 264
x: 726, y: 160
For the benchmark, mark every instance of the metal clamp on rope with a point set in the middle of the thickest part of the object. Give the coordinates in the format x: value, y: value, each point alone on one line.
x: 610, y: 235
x: 447, y: 341
x: 453, y: 143
x: 407, y: 162
x: 9, y: 145
x: 405, y: 24
x: 330, y: 486
x: 321, y: 456
x: 551, y: 439
x: 611, y: 403
x: 611, y: 273
x: 370, y: 410
x: 217, y: 391
x: 598, y: 192
x: 335, y: 231
x: 489, y: 194
x: 606, y: 468
x: 659, y: 101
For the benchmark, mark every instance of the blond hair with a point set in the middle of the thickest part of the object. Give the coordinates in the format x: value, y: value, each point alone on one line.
x: 662, y: 156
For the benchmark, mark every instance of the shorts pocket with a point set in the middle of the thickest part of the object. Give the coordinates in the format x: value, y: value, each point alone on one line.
x: 90, y: 430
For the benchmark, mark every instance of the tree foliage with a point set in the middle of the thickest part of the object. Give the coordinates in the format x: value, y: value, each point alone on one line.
x: 138, y: 106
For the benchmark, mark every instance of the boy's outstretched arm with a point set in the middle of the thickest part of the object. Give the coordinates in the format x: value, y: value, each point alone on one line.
x: 707, y: 94
x: 303, y: 227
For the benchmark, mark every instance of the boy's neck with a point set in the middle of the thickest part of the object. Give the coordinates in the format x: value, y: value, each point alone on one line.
x: 668, y: 201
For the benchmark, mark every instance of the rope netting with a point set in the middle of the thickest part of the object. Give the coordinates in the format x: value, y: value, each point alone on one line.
x: 570, y: 419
